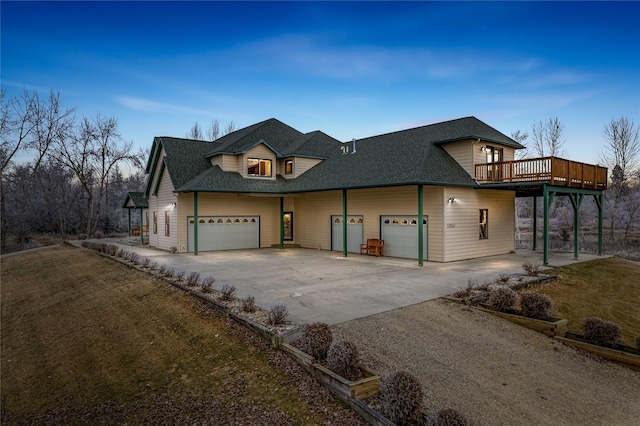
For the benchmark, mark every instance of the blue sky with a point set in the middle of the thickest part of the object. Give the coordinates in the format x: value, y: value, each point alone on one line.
x: 349, y: 69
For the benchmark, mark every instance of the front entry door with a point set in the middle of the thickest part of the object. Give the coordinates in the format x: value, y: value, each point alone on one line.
x: 287, y: 218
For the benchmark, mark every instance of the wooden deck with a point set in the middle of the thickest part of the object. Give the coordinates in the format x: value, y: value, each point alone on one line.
x: 552, y: 170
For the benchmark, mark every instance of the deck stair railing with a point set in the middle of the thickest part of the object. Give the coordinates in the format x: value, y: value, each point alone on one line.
x: 556, y: 171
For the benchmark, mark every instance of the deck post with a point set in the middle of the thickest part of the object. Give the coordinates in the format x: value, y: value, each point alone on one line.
x: 598, y: 199
x: 420, y: 227
x: 195, y: 223
x: 344, y: 222
x: 535, y: 222
x: 545, y: 235
x: 576, y: 201
x: 281, y: 222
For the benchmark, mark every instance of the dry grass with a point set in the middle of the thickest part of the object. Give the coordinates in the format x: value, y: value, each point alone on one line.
x: 606, y: 288
x: 83, y: 331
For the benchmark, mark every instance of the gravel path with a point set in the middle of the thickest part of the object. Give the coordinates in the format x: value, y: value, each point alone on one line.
x: 495, y: 372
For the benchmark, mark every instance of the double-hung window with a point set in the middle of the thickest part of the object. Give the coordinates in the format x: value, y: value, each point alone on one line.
x: 155, y: 222
x: 167, y: 224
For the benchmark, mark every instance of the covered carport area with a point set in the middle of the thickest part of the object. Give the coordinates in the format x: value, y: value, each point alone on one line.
x: 548, y: 192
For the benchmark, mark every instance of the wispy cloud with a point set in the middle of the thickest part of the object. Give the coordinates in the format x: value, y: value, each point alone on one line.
x: 311, y: 55
x: 147, y: 105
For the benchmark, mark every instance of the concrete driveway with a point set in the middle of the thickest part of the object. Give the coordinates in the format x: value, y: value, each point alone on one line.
x: 324, y: 286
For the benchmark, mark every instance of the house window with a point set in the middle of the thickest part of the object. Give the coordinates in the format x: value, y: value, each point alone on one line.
x: 494, y: 155
x: 155, y: 222
x: 167, y: 224
x: 258, y: 167
x: 484, y: 224
x: 288, y: 167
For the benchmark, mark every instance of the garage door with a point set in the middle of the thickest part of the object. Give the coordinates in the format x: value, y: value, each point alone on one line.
x: 225, y: 232
x: 400, y: 235
x: 354, y: 233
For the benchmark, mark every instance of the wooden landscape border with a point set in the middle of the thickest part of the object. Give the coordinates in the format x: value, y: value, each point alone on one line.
x: 551, y: 327
x: 627, y: 356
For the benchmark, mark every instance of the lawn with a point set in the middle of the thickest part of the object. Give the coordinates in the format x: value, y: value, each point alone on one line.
x: 606, y: 288
x: 84, y: 337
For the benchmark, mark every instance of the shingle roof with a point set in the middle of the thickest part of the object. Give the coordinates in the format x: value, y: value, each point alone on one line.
x: 406, y: 157
x: 185, y: 158
x: 272, y: 132
x: 138, y: 200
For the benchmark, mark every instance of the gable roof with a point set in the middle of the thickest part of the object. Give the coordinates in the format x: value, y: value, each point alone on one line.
x: 184, y: 159
x: 466, y: 128
x: 137, y: 199
x: 273, y: 133
x: 406, y: 157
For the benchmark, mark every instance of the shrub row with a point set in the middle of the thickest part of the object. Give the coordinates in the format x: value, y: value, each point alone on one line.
x: 532, y: 305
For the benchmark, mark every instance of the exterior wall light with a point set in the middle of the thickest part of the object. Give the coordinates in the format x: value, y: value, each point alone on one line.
x: 173, y: 205
x: 451, y: 199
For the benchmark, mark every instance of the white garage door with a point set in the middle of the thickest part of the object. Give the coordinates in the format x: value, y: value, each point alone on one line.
x: 225, y: 232
x: 354, y: 233
x: 400, y: 235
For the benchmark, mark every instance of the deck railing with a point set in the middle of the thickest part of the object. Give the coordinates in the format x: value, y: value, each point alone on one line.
x: 556, y: 171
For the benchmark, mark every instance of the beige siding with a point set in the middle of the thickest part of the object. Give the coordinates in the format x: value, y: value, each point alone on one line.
x: 217, y: 161
x: 480, y: 156
x: 463, y: 153
x: 461, y: 226
x: 261, y: 152
x: 228, y: 163
x: 300, y: 165
x: 312, y: 217
x: 153, y: 207
x: 164, y: 200
x: 268, y: 208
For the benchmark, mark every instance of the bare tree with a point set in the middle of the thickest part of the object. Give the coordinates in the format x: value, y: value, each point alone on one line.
x: 196, y: 133
x: 229, y: 128
x: 548, y: 138
x: 622, y: 146
x: 28, y: 123
x: 92, y: 152
x: 214, y: 130
x: 621, y: 154
x: 520, y: 137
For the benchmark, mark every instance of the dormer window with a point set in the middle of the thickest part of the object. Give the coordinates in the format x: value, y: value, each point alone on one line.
x: 258, y: 167
x: 288, y: 167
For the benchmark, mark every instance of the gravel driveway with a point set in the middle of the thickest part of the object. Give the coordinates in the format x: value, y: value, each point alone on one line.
x: 495, y: 372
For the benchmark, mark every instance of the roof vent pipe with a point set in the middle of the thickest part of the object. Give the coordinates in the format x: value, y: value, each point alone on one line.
x: 354, y: 145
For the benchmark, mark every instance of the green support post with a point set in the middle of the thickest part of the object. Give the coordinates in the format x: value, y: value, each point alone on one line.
x: 281, y: 223
x: 535, y: 223
x: 576, y: 201
x: 599, y: 200
x: 545, y: 236
x: 420, y: 227
x: 344, y: 222
x: 195, y: 223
